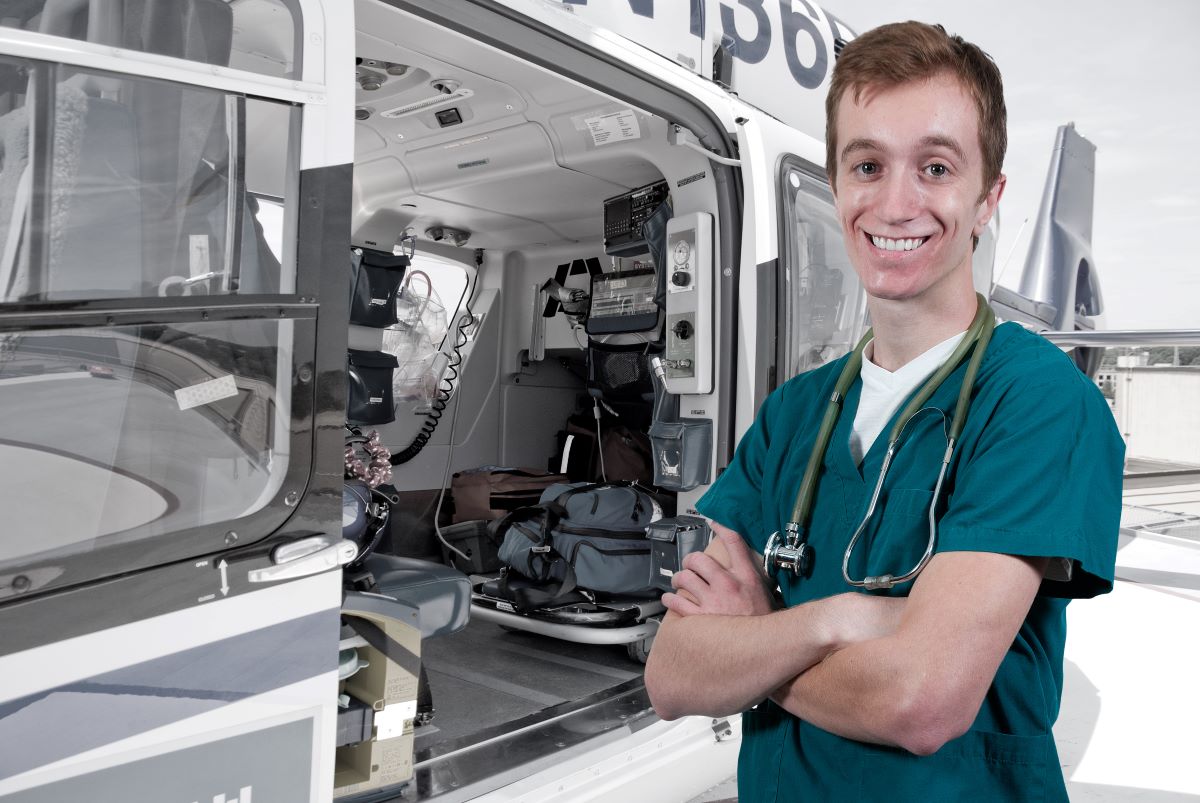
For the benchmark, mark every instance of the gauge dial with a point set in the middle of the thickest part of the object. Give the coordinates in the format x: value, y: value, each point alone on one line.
x: 682, y: 252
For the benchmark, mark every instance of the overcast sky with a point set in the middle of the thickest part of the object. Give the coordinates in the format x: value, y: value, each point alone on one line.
x: 1126, y: 75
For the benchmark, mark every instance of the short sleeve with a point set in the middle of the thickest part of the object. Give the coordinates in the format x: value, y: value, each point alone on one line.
x: 735, y: 500
x: 1043, y: 479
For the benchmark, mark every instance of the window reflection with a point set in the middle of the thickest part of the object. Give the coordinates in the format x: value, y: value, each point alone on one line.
x: 259, y: 36
x: 131, y: 432
x: 135, y: 188
x: 824, y: 301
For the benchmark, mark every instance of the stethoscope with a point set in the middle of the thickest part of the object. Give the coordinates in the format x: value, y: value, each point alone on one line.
x: 796, y: 554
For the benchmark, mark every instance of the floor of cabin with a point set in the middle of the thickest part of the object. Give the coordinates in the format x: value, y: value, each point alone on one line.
x: 484, y: 676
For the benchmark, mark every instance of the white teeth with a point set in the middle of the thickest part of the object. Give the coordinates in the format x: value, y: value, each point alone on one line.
x: 897, y: 245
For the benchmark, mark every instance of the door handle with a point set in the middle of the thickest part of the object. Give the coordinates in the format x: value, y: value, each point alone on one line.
x: 304, y: 557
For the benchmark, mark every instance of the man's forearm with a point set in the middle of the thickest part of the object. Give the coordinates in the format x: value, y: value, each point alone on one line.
x: 721, y: 665
x: 921, y: 686
x: 858, y: 692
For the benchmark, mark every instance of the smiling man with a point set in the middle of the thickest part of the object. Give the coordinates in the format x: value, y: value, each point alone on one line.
x: 964, y: 483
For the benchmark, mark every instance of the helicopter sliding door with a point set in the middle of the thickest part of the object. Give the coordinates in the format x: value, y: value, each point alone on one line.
x: 169, y: 474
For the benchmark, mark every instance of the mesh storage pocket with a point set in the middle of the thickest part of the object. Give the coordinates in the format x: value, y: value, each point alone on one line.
x: 620, y: 373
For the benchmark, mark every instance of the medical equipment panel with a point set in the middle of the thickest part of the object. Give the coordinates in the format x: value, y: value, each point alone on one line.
x: 623, y: 301
x: 689, y: 269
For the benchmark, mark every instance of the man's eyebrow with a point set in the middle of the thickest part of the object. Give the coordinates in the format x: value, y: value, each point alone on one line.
x: 937, y: 141
x: 860, y: 145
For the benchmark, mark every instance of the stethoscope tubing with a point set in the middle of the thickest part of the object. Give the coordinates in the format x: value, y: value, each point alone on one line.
x: 978, y: 335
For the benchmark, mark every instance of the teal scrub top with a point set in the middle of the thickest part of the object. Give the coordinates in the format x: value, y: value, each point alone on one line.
x: 1037, y: 472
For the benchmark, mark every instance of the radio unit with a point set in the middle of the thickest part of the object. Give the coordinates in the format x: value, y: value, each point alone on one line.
x: 624, y: 216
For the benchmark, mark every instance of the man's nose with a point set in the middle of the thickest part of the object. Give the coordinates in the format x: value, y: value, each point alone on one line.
x: 900, y: 198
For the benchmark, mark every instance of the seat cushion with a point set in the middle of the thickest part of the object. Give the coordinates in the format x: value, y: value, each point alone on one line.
x: 440, y: 593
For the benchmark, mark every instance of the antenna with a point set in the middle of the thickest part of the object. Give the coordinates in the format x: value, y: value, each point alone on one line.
x: 1007, y: 259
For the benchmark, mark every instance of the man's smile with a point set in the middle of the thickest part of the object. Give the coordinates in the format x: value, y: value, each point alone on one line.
x: 889, y: 244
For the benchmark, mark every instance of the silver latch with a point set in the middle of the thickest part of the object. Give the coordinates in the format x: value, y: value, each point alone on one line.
x: 721, y: 729
x: 304, y: 557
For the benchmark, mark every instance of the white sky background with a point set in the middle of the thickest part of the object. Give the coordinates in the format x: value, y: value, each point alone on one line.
x: 1126, y: 75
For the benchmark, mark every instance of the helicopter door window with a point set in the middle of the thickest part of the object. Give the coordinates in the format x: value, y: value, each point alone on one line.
x: 823, y: 300
x: 117, y: 187
x: 152, y: 437
x: 260, y: 36
x: 116, y: 436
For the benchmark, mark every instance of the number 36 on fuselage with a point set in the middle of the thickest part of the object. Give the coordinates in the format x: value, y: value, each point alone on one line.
x: 775, y: 46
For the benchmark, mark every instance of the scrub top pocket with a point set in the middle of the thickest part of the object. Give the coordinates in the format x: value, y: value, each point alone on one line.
x: 1025, y: 767
x: 895, y: 538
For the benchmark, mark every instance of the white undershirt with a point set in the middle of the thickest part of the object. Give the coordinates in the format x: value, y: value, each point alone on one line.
x: 884, y: 391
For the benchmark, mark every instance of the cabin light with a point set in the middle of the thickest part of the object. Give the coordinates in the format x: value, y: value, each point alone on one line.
x: 455, y: 236
x: 362, y: 113
x: 369, y: 80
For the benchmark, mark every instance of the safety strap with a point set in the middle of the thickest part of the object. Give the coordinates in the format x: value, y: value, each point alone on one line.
x: 530, y: 599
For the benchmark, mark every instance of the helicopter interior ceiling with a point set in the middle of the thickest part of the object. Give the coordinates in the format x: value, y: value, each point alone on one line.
x: 453, y: 133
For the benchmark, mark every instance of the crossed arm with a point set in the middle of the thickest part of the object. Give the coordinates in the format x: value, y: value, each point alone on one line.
x: 905, y: 672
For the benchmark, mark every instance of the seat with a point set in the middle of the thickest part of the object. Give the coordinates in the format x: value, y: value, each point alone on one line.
x: 442, y: 595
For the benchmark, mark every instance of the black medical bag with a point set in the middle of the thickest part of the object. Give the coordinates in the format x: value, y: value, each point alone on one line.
x: 579, y: 536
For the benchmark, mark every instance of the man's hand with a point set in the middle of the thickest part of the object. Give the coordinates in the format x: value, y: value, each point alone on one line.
x: 742, y: 650
x: 705, y: 586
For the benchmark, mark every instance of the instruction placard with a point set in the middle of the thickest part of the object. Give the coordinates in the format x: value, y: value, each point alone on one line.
x: 223, y: 387
x: 614, y: 127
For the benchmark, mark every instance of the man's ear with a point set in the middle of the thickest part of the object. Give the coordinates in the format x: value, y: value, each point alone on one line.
x: 988, y: 204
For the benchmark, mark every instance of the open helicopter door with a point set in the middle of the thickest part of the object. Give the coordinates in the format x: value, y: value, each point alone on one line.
x: 804, y: 297
x: 176, y: 181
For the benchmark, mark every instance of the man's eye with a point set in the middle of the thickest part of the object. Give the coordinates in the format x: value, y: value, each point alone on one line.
x: 867, y: 168
x: 937, y: 170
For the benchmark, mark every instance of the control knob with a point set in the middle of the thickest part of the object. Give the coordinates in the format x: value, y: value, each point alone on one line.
x: 682, y: 330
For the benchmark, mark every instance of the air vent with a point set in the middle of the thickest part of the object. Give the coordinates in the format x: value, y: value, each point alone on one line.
x: 461, y: 93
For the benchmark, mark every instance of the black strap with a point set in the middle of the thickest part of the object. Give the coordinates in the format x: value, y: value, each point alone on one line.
x: 497, y: 528
x: 528, y: 599
x: 558, y: 504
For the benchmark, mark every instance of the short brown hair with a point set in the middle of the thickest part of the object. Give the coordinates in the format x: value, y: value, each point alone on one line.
x: 903, y: 52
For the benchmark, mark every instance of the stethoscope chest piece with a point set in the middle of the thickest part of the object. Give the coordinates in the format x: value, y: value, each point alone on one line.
x: 791, y: 555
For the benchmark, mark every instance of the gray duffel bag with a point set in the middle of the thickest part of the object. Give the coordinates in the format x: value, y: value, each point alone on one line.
x: 579, y: 536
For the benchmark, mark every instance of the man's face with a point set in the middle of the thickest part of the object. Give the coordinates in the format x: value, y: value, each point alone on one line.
x: 908, y: 188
